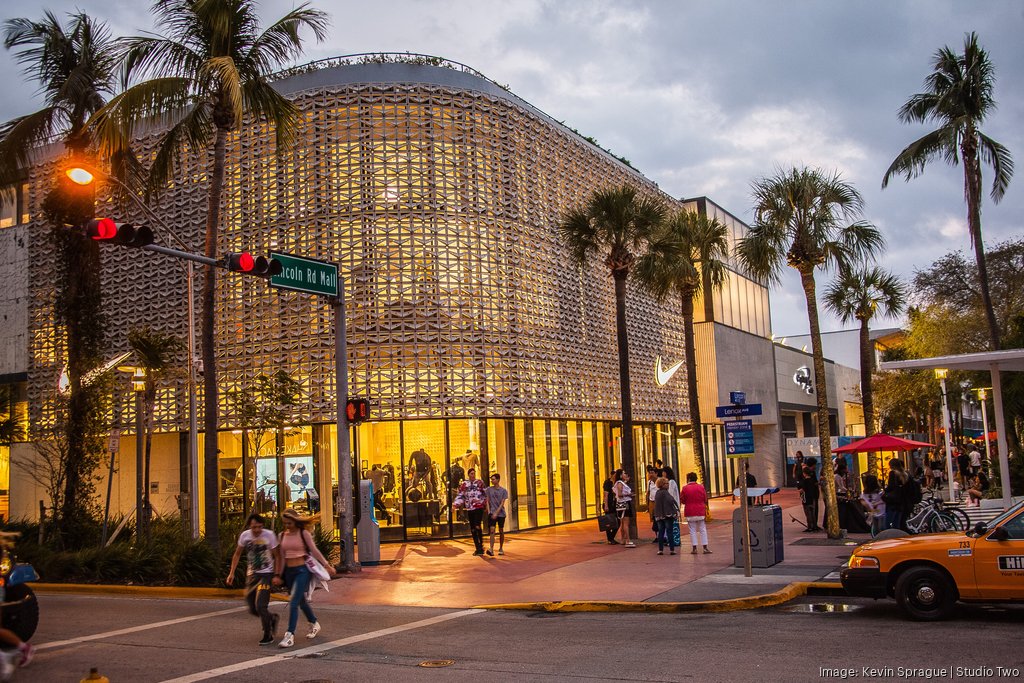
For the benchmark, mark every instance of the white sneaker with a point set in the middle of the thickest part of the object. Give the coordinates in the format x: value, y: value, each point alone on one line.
x: 288, y: 640
x: 313, y: 630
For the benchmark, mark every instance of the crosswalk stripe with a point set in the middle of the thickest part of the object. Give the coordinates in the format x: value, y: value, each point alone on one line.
x: 136, y: 629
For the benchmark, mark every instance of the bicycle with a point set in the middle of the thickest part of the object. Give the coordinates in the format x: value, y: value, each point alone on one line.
x: 930, y: 516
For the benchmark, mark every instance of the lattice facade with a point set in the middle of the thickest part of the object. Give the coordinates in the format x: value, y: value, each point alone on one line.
x: 439, y: 204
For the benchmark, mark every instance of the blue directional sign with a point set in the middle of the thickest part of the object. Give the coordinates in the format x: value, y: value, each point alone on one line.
x: 738, y: 411
x: 739, y: 438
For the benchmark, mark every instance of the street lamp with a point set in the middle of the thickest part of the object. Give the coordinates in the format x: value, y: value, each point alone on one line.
x: 85, y: 176
x: 940, y: 374
x: 982, y: 396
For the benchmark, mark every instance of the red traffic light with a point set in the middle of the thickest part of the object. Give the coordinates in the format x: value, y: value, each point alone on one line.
x: 125, y: 234
x: 244, y: 262
x: 357, y: 410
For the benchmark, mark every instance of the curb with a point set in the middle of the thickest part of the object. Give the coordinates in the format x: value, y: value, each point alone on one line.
x: 141, y: 591
x: 793, y: 590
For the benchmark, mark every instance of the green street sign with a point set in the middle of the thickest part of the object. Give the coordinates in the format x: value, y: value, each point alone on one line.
x: 305, y: 275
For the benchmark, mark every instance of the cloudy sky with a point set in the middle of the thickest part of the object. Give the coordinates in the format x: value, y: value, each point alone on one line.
x: 705, y: 97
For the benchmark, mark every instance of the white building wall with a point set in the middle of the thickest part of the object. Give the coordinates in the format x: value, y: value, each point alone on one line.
x: 13, y: 300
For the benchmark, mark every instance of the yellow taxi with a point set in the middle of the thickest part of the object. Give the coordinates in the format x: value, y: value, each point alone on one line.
x: 927, y: 574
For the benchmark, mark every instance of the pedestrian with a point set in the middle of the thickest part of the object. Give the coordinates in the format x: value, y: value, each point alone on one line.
x: 609, y: 507
x: 652, y: 491
x: 260, y: 547
x: 472, y: 499
x: 673, y: 490
x: 963, y: 466
x: 666, y: 513
x: 798, y: 468
x: 893, y: 495
x: 496, y: 499
x: 624, y: 509
x: 295, y: 544
x: 975, y: 457
x: 937, y: 473
x: 871, y: 497
x: 809, y: 494
x: 695, y: 507
x: 979, y: 485
x: 751, y: 482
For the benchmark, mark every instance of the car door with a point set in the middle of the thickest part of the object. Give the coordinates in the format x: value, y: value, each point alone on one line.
x: 999, y: 564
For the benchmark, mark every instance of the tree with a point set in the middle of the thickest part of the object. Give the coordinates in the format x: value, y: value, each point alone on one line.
x: 800, y: 219
x: 689, y: 251
x: 74, y: 64
x: 155, y: 353
x: 264, y: 409
x: 210, y: 69
x: 958, y: 97
x: 860, y: 295
x: 615, y: 224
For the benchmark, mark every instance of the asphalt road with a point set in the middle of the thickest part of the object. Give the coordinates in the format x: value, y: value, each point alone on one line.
x: 143, y: 640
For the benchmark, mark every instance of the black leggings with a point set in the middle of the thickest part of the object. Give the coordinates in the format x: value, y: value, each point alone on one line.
x: 476, y: 518
x: 257, y: 597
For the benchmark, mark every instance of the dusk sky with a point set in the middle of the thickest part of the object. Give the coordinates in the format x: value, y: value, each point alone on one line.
x: 705, y: 97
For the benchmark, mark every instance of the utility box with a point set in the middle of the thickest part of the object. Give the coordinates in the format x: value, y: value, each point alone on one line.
x: 766, y: 546
x: 367, y: 530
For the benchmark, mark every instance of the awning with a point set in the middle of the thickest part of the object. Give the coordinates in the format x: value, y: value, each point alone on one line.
x: 881, y: 442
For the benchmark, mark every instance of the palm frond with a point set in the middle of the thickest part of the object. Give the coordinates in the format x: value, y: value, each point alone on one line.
x: 912, y: 161
x: 1001, y: 161
x: 22, y: 138
x: 281, y: 42
x: 228, y: 88
x: 195, y: 130
x: 261, y: 100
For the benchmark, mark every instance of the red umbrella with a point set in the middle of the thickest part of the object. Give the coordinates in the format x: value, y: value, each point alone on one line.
x: 881, y: 442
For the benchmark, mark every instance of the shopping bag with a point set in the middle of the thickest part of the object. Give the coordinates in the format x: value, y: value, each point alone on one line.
x: 675, y: 532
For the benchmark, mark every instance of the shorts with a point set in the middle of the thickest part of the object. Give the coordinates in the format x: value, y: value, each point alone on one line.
x: 496, y: 522
x: 628, y: 512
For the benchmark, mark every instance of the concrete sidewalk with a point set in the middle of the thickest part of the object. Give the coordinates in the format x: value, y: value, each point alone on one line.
x: 573, y: 567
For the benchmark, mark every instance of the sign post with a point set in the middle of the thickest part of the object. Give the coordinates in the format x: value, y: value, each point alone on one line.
x: 320, y: 278
x: 739, y: 443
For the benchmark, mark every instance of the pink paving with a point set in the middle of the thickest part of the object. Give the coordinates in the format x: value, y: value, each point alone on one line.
x: 568, y: 562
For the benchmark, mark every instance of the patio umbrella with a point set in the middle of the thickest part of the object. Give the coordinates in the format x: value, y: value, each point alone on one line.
x: 882, y: 442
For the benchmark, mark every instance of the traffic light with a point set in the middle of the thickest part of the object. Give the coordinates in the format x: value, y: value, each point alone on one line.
x: 244, y: 262
x: 357, y: 410
x: 126, y: 234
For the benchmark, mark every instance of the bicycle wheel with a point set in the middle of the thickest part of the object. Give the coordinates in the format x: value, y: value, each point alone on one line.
x: 960, y: 517
x: 942, y: 521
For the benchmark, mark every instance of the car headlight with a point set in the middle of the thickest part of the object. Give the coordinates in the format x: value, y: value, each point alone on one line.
x: 862, y: 562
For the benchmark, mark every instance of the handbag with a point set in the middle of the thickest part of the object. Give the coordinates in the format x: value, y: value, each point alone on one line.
x: 314, y: 567
x: 607, y: 522
x: 621, y: 505
x: 676, y: 541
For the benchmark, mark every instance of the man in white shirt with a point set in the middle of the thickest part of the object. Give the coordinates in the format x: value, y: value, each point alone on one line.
x: 975, y: 460
x: 259, y: 545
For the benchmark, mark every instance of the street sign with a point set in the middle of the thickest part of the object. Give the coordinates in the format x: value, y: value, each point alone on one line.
x: 738, y: 411
x: 305, y: 275
x: 114, y: 443
x: 739, y: 439
x: 737, y: 398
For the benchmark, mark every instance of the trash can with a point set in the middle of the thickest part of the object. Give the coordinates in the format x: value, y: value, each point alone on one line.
x: 367, y: 529
x: 766, y: 546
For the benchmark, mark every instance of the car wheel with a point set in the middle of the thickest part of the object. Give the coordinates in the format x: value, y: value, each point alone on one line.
x: 925, y: 594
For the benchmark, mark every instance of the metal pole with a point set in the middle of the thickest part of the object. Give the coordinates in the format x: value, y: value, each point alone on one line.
x: 344, y: 500
x: 748, y: 567
x: 949, y: 448
x: 984, y: 426
x: 193, y: 428
x: 139, y: 481
x: 106, y: 509
x: 1004, y: 455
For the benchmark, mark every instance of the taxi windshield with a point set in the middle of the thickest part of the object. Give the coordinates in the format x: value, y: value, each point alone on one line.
x: 1001, y: 518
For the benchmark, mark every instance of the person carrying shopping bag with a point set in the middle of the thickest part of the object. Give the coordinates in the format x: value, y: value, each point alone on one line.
x: 298, y: 560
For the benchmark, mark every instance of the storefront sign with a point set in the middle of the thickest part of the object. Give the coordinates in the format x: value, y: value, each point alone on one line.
x: 738, y: 411
x: 802, y: 378
x: 739, y: 439
x: 661, y: 375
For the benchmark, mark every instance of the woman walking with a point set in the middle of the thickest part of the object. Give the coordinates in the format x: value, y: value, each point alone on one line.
x: 695, y: 506
x: 294, y: 545
x: 666, y: 513
x: 623, y: 505
x: 893, y: 495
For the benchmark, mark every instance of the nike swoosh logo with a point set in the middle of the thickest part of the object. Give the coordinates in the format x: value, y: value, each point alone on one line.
x: 662, y: 376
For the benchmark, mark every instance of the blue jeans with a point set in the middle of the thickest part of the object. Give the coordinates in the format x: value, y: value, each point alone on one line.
x: 665, y: 534
x: 893, y: 517
x: 297, y: 580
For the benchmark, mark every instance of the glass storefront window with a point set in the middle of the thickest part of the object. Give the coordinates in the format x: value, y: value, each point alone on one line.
x: 380, y: 461
x: 538, y: 457
x: 426, y: 502
x: 573, y: 459
x: 525, y: 490
x: 501, y: 451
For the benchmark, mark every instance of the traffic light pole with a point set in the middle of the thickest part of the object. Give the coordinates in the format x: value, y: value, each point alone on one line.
x: 344, y: 500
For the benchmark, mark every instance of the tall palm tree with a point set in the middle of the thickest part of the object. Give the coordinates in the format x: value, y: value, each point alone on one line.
x: 74, y: 63
x: 689, y: 252
x: 862, y: 294
x: 210, y: 69
x: 800, y: 220
x: 155, y: 353
x: 615, y: 225
x: 958, y: 97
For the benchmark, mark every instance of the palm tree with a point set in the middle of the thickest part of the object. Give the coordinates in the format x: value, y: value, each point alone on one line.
x: 861, y: 295
x: 74, y: 64
x: 800, y: 219
x: 615, y: 224
x: 155, y: 353
x: 210, y: 69
x: 958, y: 97
x: 689, y: 252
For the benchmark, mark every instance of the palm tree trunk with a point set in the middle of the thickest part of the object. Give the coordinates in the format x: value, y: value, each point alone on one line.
x: 622, y: 339
x: 211, y: 402
x: 147, y: 505
x: 867, y: 366
x: 821, y: 392
x: 691, y: 389
x: 972, y: 190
